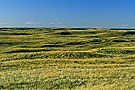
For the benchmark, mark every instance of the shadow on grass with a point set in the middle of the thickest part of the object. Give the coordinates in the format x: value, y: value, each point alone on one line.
x: 26, y: 50
x: 77, y: 43
x: 120, y: 41
x: 52, y: 46
x: 15, y: 34
x: 56, y: 55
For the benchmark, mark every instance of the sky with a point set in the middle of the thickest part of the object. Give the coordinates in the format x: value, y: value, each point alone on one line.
x: 67, y: 13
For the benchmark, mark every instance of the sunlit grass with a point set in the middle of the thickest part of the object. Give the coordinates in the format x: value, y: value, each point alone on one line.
x: 67, y: 59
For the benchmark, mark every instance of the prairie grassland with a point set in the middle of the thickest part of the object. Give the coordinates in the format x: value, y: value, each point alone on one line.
x: 67, y: 59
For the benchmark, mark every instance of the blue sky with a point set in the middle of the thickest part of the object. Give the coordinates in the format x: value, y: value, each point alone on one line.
x: 67, y: 13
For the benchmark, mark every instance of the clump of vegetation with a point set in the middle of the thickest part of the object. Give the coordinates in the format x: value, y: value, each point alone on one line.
x: 65, y: 33
x: 129, y: 33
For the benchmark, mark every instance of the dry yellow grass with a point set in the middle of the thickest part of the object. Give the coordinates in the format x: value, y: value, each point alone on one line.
x: 68, y: 59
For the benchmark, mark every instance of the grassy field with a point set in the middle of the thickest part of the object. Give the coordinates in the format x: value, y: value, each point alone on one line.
x: 67, y: 59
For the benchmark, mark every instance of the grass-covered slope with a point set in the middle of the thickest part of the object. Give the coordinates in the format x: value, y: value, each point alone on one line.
x: 67, y: 58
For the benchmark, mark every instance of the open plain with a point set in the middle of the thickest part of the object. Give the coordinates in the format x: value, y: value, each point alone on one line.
x: 67, y: 59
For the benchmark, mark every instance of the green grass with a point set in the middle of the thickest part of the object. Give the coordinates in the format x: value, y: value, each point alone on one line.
x: 67, y: 59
